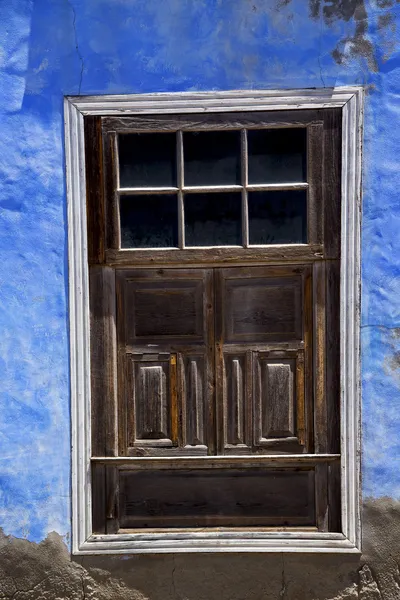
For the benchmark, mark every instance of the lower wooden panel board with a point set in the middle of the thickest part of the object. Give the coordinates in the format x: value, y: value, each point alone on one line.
x: 217, y: 498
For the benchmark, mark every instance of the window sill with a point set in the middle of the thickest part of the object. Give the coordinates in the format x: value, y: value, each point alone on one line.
x: 210, y: 542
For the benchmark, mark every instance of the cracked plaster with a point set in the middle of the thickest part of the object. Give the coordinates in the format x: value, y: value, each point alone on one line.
x: 46, y: 571
x: 78, y: 52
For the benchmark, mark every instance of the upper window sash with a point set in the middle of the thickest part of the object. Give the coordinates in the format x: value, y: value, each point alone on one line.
x: 106, y: 191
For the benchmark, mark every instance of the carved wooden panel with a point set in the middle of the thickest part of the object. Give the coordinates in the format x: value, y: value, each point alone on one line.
x: 195, y: 401
x: 166, y: 404
x: 237, y: 402
x: 278, y: 400
x: 235, y: 417
x: 149, y: 401
x: 279, y: 412
x: 151, y: 385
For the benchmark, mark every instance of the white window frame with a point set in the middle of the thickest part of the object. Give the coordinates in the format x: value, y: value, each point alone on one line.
x: 350, y: 99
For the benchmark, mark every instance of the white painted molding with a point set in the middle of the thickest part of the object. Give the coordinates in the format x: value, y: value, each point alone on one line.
x: 350, y: 99
x: 200, y: 102
x: 350, y: 303
x: 79, y: 326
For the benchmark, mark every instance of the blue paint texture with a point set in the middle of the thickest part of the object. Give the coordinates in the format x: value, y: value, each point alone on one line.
x: 51, y: 48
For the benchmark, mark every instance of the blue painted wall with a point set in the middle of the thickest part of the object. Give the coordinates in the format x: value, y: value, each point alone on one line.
x: 51, y: 48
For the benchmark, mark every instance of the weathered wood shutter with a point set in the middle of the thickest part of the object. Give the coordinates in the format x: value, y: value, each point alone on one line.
x: 165, y: 356
x: 262, y: 392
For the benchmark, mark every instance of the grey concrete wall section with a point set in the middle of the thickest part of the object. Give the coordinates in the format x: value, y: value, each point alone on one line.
x: 30, y: 571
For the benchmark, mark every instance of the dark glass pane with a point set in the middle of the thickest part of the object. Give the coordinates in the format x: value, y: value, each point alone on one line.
x: 147, y: 160
x: 278, y: 217
x: 213, y: 219
x: 277, y: 155
x: 149, y: 221
x: 212, y: 158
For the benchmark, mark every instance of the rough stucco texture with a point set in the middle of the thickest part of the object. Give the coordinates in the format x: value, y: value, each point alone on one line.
x: 30, y: 571
x: 50, y: 48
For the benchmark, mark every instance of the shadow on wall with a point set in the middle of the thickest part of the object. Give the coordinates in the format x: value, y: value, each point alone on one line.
x: 32, y: 571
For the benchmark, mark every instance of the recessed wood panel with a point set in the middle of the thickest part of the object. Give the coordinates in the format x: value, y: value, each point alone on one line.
x: 194, y: 390
x: 167, y: 405
x: 220, y: 497
x: 237, y: 403
x: 235, y: 378
x: 279, y: 401
x: 160, y: 306
x: 261, y: 309
x: 166, y: 311
x: 149, y: 401
x: 276, y: 390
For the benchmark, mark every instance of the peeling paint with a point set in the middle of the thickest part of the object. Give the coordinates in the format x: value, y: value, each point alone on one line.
x: 386, y: 20
x: 392, y: 359
x: 386, y: 3
x: 394, y: 362
x: 357, y: 44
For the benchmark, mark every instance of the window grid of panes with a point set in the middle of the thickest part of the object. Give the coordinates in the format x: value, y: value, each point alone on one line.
x: 239, y: 188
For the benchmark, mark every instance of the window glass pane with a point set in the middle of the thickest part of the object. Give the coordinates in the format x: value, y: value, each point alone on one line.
x: 149, y: 221
x: 147, y: 160
x: 278, y: 217
x: 277, y: 155
x: 212, y: 158
x: 213, y: 219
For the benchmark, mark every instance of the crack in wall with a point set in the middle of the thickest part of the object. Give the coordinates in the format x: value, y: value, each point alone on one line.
x: 78, y: 52
x: 173, y: 585
x: 83, y: 588
x: 394, y: 328
x: 282, y: 593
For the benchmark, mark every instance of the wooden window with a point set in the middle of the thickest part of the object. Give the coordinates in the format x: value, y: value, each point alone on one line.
x: 214, y: 261
x: 212, y: 361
